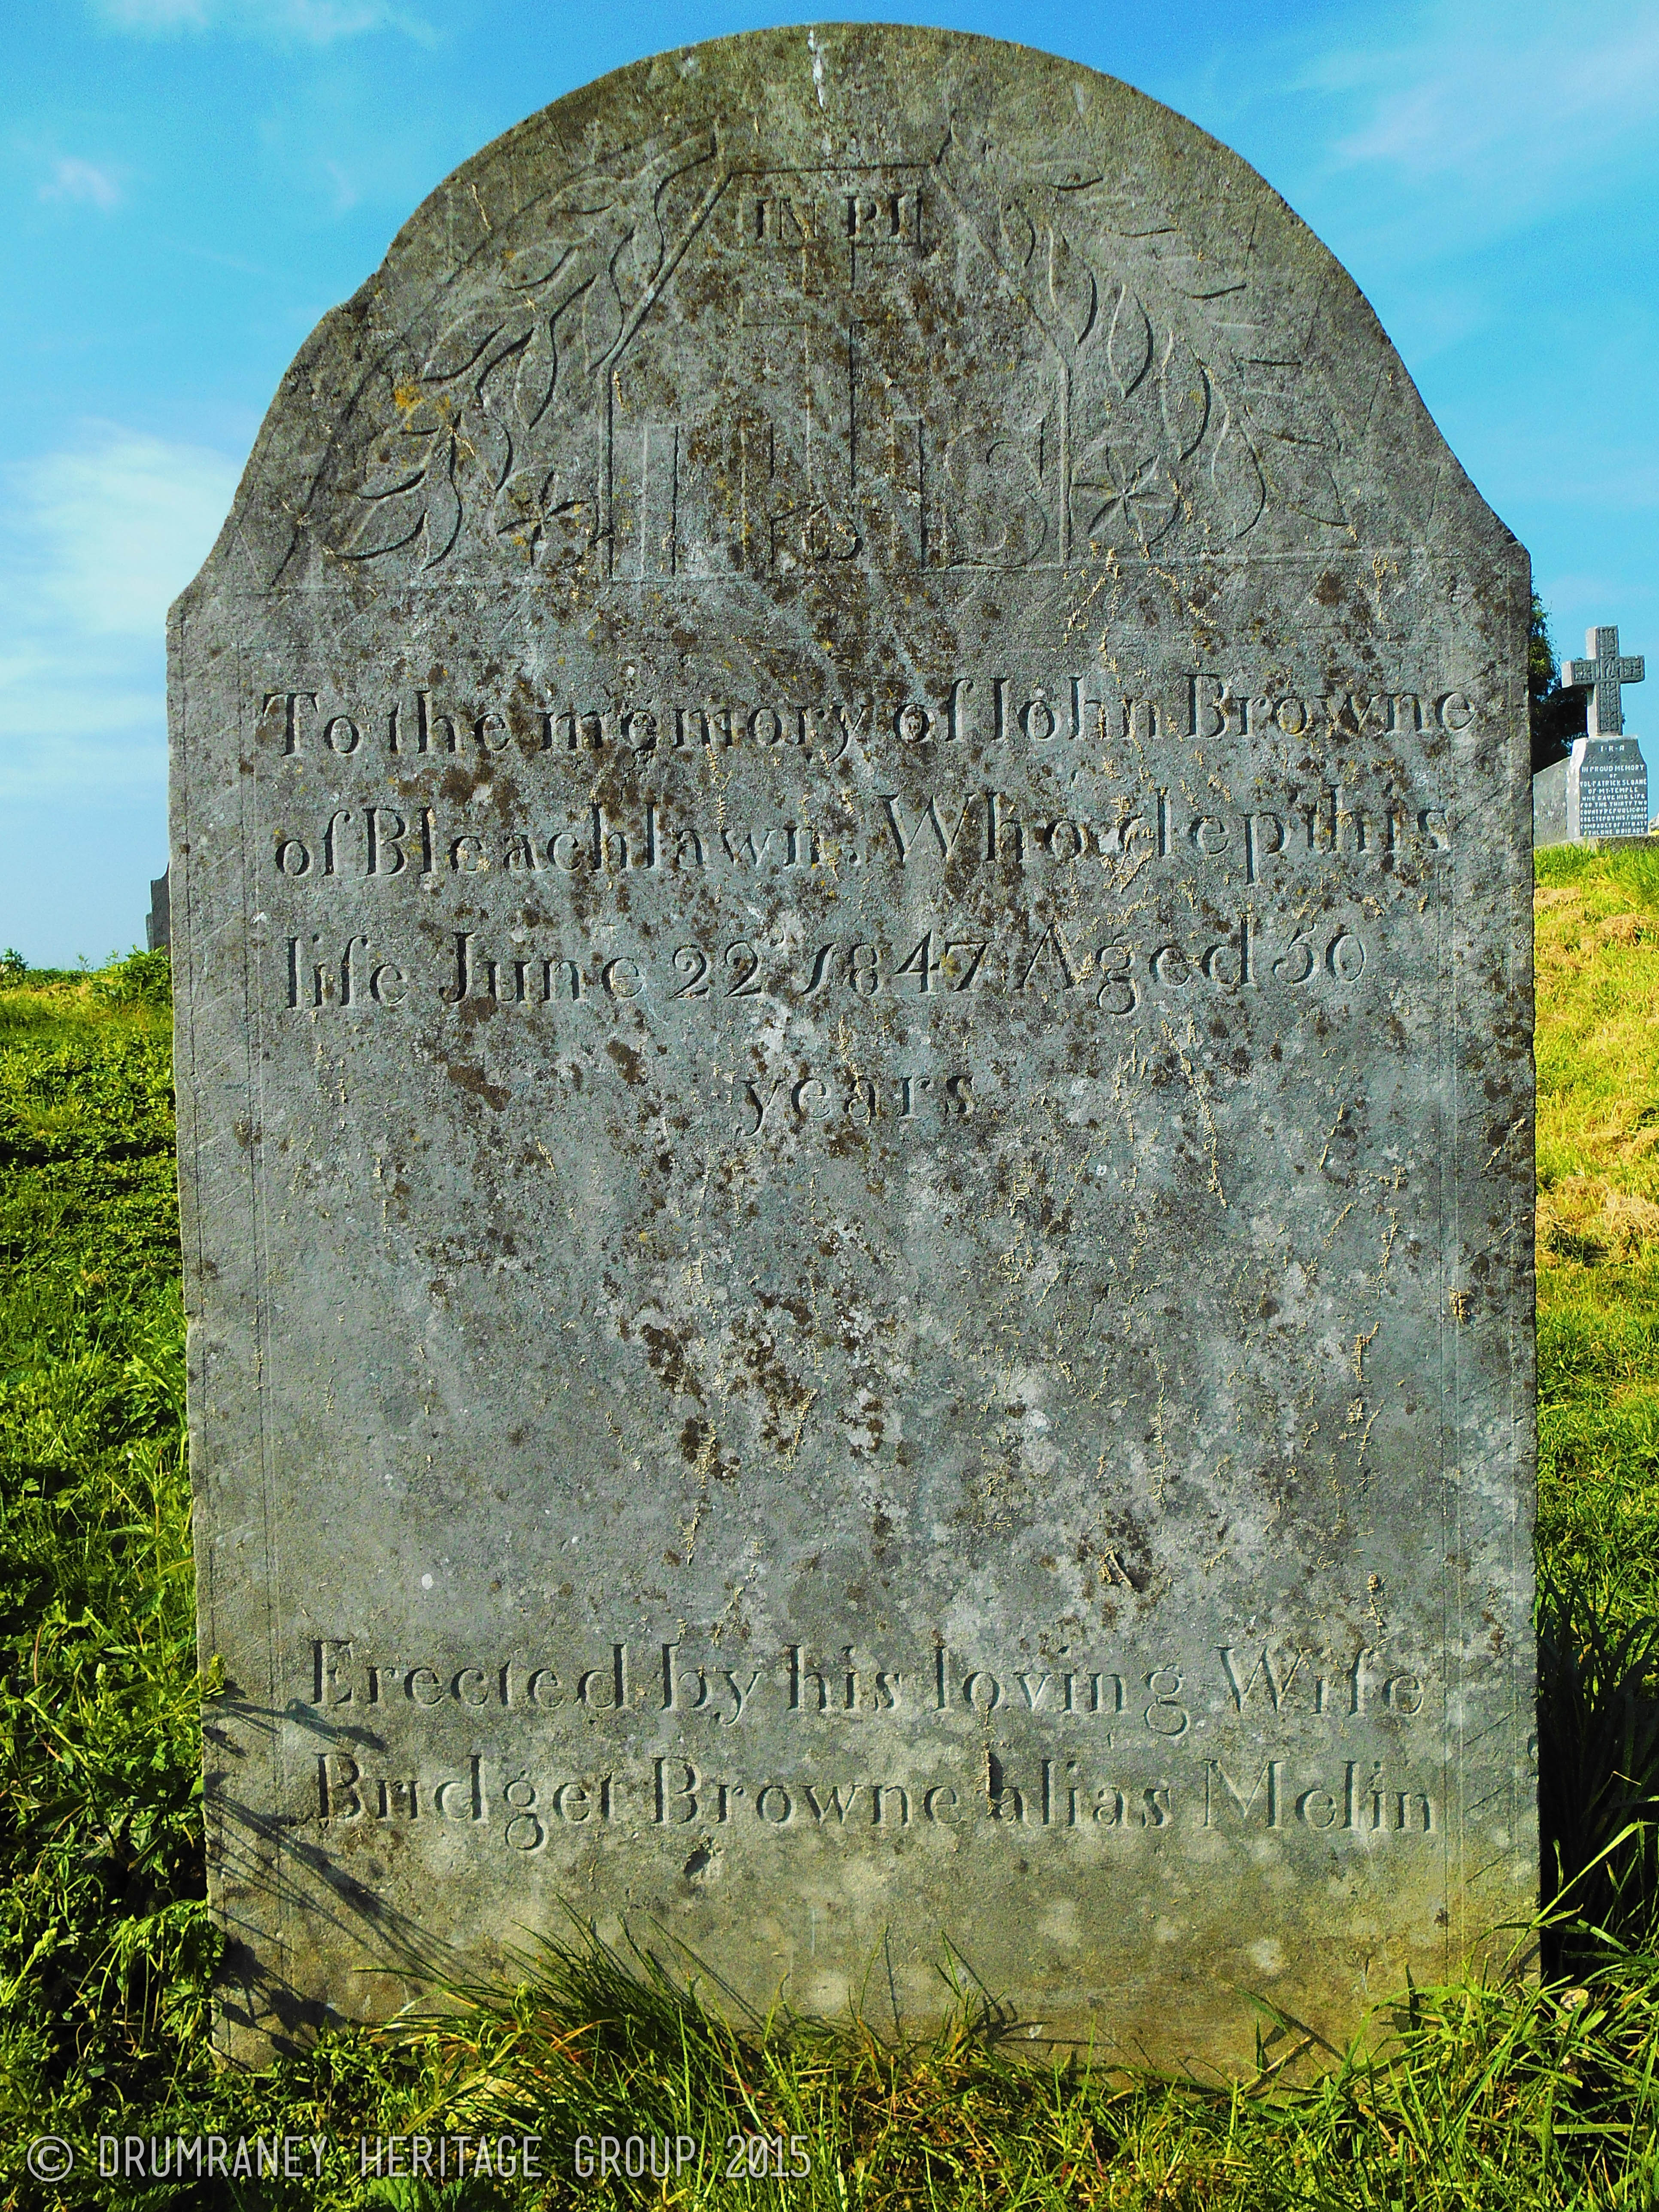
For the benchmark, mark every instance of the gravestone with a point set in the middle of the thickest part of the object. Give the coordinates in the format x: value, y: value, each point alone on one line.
x: 1549, y: 803
x: 852, y: 928
x: 1601, y: 788
x: 157, y: 929
x: 1605, y: 780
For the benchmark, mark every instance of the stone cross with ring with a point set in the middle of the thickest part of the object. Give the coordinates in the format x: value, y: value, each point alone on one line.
x: 1602, y: 677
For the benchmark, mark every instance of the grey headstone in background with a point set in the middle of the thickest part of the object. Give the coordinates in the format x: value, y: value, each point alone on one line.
x: 158, y: 929
x: 1549, y: 804
x: 851, y: 834
x: 1606, y: 781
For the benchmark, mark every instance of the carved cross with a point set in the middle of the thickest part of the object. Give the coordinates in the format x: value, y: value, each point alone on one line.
x: 1602, y: 677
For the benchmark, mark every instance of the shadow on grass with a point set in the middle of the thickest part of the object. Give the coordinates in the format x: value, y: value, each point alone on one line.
x: 1598, y: 1724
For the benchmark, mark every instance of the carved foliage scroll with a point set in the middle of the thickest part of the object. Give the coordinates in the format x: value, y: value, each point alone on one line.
x: 1185, y: 423
x: 1182, y: 410
x: 502, y: 417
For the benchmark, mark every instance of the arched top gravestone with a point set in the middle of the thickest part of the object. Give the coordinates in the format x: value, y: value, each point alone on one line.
x: 851, y: 897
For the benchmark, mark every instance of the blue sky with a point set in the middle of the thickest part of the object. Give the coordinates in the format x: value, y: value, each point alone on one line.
x: 189, y: 184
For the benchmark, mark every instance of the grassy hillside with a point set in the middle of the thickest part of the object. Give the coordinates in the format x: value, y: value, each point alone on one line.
x: 102, y: 1936
x: 1598, y: 1222
x: 1491, y: 2098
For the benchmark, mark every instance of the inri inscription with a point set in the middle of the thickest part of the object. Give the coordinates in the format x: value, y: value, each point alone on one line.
x: 852, y: 911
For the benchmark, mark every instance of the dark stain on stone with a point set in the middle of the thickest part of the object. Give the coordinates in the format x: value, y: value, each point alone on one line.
x: 473, y: 1079
x: 667, y: 1355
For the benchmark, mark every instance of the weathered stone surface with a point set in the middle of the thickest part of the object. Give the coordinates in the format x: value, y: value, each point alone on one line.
x: 852, y: 905
x: 1549, y: 804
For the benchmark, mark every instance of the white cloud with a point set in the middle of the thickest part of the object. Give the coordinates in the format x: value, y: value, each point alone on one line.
x: 1448, y: 150
x: 156, y: 14
x: 308, y: 22
x: 343, y: 186
x: 100, y: 538
x: 1514, y: 102
x: 83, y: 182
x: 122, y: 524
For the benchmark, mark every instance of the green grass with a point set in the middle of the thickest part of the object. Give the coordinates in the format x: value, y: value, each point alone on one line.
x: 1499, y: 2094
x: 1598, y: 1221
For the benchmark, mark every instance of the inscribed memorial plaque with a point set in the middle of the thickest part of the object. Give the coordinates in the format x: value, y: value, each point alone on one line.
x: 851, y: 903
x: 1607, y: 788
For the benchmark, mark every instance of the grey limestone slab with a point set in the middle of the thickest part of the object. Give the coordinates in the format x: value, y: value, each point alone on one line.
x: 851, y: 897
x: 1549, y: 804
